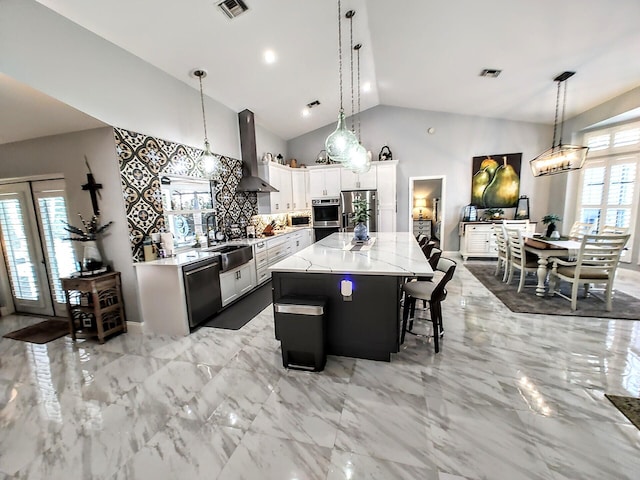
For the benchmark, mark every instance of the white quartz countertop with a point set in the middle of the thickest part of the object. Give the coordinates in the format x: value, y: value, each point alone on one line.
x: 196, y: 254
x: 396, y: 254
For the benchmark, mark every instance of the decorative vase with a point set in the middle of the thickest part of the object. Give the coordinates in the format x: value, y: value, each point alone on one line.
x: 91, y: 258
x: 360, y: 232
x: 550, y: 229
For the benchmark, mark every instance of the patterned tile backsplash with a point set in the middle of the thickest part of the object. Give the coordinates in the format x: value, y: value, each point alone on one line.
x: 143, y: 159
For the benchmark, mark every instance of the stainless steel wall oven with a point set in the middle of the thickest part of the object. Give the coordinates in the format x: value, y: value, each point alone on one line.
x: 326, y: 216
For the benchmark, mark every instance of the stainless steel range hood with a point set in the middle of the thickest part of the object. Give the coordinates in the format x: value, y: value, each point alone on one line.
x: 250, y: 181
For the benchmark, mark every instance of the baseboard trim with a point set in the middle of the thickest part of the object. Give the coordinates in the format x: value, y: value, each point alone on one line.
x: 135, y: 327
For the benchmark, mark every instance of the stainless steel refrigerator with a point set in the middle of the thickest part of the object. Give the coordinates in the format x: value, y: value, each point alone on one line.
x: 348, y: 197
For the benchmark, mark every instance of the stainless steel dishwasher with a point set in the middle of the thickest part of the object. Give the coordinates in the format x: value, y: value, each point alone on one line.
x: 202, y: 288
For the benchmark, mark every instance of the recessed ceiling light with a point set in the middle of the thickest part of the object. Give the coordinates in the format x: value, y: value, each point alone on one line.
x: 269, y: 56
x: 490, y: 72
x: 366, y: 87
x: 306, y: 112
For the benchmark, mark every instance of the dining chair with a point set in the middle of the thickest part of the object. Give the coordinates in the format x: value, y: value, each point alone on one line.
x: 432, y: 292
x: 596, y: 262
x: 614, y: 229
x: 503, y: 250
x: 579, y: 229
x: 519, y: 258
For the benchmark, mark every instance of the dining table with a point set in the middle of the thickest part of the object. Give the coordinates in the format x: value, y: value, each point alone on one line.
x: 546, y: 248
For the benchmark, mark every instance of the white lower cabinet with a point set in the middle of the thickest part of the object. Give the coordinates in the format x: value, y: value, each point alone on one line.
x: 272, y: 250
x: 479, y: 239
x: 235, y: 283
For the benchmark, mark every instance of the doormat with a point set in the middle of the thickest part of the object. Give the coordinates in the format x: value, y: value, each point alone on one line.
x: 240, y: 313
x: 42, y: 332
x: 624, y: 306
x: 629, y: 406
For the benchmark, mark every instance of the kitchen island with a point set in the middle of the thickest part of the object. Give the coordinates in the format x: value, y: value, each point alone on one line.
x: 366, y: 322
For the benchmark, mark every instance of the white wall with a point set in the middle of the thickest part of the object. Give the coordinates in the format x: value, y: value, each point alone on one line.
x: 449, y: 151
x: 268, y: 142
x: 46, y: 51
x: 64, y: 154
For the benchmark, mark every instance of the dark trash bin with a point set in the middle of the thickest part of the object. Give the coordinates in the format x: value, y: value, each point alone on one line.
x: 300, y: 325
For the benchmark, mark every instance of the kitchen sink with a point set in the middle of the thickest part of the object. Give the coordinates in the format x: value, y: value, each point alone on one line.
x: 233, y: 256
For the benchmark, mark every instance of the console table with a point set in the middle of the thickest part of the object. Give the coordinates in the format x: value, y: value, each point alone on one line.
x: 94, y: 306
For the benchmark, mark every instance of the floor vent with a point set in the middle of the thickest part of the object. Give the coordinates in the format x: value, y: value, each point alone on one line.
x: 233, y: 8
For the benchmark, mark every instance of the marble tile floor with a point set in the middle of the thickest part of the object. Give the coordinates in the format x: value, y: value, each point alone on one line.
x: 510, y: 396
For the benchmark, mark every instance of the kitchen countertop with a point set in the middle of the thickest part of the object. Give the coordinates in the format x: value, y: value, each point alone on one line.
x: 193, y: 255
x: 392, y: 254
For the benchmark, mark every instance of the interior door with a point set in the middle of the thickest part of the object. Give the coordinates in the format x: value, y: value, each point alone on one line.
x: 35, y: 252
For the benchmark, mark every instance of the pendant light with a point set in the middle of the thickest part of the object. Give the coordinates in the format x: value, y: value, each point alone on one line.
x: 360, y: 159
x: 339, y: 143
x: 210, y: 163
x: 559, y: 158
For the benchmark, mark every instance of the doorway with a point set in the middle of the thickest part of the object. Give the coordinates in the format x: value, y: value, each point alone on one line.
x: 36, y: 254
x: 426, y: 207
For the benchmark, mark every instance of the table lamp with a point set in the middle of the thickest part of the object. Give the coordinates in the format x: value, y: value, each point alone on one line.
x: 420, y: 203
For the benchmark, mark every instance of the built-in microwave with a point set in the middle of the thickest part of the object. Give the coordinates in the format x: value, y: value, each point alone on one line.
x: 325, y: 212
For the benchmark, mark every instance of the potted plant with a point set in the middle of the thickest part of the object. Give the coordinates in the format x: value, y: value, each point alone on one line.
x: 360, y: 216
x: 88, y: 235
x: 550, y: 219
x: 493, y: 213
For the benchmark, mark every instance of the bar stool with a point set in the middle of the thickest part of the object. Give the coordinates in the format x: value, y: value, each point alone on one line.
x: 432, y: 292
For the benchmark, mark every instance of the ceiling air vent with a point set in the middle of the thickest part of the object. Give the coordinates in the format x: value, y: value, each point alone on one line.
x: 233, y: 8
x: 490, y: 72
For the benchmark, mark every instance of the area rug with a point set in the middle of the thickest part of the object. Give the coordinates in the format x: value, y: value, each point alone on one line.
x: 624, y: 306
x: 42, y: 332
x: 240, y: 313
x: 629, y: 406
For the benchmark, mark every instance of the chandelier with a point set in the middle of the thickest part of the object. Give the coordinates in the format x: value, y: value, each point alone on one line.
x: 559, y: 158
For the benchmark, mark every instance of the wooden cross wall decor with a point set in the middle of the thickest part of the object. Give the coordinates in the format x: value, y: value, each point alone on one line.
x: 94, y: 189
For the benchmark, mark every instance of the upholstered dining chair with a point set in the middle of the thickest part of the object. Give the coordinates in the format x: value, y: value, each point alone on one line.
x: 503, y: 250
x: 519, y: 258
x: 432, y: 292
x: 579, y: 229
x: 596, y: 262
x: 427, y: 247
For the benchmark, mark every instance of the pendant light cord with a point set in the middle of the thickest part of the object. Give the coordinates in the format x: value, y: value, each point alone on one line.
x: 555, y: 122
x: 564, y: 105
x: 358, y: 47
x: 204, y: 119
x: 340, y: 49
x: 350, y: 15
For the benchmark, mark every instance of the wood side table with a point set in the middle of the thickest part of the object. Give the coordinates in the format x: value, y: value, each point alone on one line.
x: 95, y: 306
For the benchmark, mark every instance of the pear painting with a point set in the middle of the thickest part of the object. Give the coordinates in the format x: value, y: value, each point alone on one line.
x: 496, y: 183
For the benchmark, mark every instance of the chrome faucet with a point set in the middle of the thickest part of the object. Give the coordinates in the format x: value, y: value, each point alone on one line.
x: 210, y: 220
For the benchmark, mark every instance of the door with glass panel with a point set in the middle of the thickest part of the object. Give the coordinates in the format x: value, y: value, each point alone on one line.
x: 35, y: 252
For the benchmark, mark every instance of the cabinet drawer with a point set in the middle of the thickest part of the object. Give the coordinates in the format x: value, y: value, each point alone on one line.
x: 262, y: 262
x: 263, y: 275
x: 260, y: 247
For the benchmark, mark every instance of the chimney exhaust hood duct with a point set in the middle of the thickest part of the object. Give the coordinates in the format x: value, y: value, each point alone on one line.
x: 250, y: 181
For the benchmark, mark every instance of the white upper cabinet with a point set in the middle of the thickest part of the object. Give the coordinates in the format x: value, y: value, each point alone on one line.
x: 278, y: 176
x: 386, y: 186
x: 300, y: 189
x: 324, y: 182
x: 358, y: 181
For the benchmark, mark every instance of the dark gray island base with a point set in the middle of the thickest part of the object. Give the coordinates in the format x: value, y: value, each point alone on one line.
x: 366, y: 326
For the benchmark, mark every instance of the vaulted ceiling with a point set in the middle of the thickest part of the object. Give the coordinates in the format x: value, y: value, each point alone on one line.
x: 424, y: 54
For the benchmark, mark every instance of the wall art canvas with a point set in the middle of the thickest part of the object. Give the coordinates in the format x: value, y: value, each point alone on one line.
x: 496, y: 180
